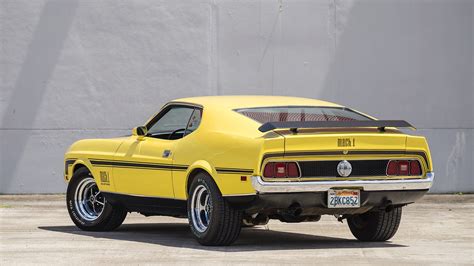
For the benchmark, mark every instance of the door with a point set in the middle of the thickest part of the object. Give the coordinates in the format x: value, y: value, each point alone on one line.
x: 144, y: 164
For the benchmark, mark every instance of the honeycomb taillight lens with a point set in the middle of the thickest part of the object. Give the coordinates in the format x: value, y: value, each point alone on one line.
x: 269, y: 170
x: 403, y: 168
x: 281, y: 170
x: 292, y: 170
x: 392, y: 168
x: 415, y: 168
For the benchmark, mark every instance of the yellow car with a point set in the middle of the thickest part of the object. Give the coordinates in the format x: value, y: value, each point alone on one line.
x: 230, y: 161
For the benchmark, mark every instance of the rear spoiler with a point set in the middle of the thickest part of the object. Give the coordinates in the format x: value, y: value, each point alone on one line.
x: 294, y: 125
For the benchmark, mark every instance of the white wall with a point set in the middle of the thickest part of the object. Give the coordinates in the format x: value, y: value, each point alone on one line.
x: 73, y: 69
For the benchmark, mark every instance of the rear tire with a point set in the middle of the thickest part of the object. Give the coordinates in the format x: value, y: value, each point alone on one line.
x: 212, y: 220
x: 88, y: 208
x: 375, y: 226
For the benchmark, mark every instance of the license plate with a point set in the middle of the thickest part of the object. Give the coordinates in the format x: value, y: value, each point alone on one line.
x: 343, y: 198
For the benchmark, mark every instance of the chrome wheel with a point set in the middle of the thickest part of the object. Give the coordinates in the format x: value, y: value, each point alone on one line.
x: 201, y: 208
x: 89, y: 201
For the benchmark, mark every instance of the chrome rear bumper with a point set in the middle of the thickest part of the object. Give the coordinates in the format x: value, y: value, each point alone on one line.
x: 262, y: 186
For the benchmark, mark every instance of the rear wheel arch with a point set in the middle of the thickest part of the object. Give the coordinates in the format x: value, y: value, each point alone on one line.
x: 195, y: 169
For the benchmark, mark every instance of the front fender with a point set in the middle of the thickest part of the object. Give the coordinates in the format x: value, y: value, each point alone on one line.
x: 107, y: 185
x: 73, y: 163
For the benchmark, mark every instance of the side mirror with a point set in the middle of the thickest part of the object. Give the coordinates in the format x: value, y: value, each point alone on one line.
x: 140, y: 131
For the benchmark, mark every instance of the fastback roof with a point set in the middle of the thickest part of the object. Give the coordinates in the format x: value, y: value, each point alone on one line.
x: 248, y: 101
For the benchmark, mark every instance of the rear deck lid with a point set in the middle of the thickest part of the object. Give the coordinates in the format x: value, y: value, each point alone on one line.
x: 313, y: 128
x: 310, y: 141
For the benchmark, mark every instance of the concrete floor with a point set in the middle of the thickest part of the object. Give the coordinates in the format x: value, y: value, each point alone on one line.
x: 37, y: 229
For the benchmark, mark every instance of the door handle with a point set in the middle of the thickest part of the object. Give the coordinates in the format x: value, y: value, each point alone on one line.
x: 166, y: 153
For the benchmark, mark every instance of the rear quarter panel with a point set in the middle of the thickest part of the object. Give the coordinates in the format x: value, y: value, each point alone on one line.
x: 419, y: 143
x: 228, y: 147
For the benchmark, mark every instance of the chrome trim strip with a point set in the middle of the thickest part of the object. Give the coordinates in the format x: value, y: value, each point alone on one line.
x: 318, y: 186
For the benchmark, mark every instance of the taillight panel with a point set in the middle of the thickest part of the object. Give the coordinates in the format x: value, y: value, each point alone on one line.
x: 281, y: 170
x: 403, y: 168
x: 292, y: 169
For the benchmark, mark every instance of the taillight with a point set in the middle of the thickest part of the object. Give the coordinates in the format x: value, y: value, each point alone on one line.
x: 292, y: 170
x: 392, y: 168
x: 269, y: 170
x: 403, y: 168
x: 415, y: 168
x: 281, y: 170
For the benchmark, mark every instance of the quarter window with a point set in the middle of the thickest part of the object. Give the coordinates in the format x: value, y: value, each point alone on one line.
x: 194, y: 121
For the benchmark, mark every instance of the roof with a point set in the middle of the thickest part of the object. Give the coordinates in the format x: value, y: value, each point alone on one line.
x: 248, y: 101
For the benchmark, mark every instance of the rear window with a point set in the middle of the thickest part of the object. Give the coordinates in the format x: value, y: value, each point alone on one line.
x: 296, y: 113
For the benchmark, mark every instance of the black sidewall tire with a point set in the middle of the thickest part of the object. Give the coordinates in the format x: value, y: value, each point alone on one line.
x: 98, y: 224
x: 224, y: 223
x: 202, y: 180
x: 377, y: 226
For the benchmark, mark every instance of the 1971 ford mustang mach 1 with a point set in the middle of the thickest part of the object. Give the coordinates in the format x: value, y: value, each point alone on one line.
x: 230, y: 161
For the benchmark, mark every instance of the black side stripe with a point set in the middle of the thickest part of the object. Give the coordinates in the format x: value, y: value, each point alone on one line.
x: 67, y: 163
x: 360, y: 152
x: 125, y: 164
x: 234, y: 171
x: 139, y: 165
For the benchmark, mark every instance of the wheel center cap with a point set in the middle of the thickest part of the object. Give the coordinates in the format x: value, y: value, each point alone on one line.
x: 92, y: 198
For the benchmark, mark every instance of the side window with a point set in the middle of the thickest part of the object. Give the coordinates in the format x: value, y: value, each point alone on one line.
x: 171, y: 125
x: 194, y: 121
